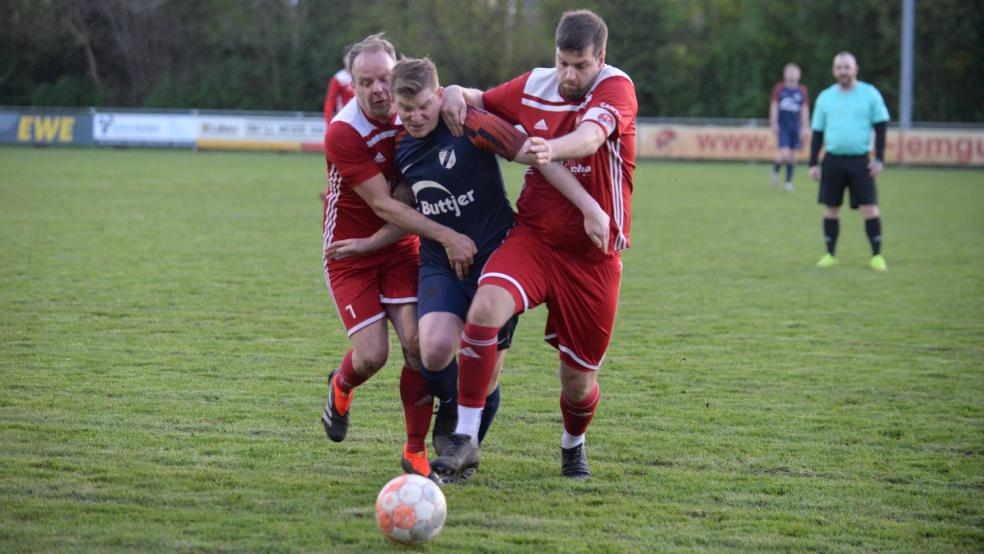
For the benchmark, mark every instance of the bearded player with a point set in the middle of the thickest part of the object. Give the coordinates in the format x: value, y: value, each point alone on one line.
x: 457, y: 182
x: 581, y: 111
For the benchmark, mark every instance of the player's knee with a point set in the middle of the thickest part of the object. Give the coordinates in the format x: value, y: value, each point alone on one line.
x: 577, y: 383
x: 437, y: 352
x: 369, y: 361
x: 411, y: 352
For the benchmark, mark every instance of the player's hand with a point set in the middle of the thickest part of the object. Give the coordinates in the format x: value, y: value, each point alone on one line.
x: 461, y: 252
x: 539, y: 148
x: 347, y: 248
x: 875, y: 166
x: 815, y: 172
x: 597, y: 227
x: 454, y: 109
x: 403, y: 193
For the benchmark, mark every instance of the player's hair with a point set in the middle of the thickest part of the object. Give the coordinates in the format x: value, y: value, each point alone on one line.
x: 368, y: 45
x: 846, y: 53
x: 790, y: 65
x: 582, y: 28
x: 412, y: 75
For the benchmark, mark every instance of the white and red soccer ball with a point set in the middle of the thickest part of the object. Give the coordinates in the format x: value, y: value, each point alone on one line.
x: 411, y: 509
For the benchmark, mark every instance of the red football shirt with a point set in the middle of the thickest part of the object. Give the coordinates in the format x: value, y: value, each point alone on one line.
x: 357, y: 148
x: 533, y: 101
x: 339, y: 92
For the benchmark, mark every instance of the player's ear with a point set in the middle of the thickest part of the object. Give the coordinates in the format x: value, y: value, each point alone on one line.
x: 601, y: 58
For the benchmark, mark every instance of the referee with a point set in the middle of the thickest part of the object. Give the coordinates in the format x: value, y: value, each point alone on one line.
x: 843, y: 118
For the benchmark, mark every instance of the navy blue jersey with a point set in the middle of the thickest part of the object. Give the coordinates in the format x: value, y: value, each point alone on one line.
x: 456, y: 182
x: 791, y: 102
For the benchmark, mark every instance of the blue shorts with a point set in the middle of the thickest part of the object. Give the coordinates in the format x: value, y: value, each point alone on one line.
x: 440, y: 290
x: 789, y: 138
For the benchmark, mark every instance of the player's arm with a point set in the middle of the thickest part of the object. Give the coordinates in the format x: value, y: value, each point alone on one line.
x: 455, y: 104
x: 597, y: 224
x: 580, y: 143
x: 383, y: 237
x: 460, y: 249
x: 804, y: 120
x: 489, y: 132
x: 346, y: 248
x: 774, y: 108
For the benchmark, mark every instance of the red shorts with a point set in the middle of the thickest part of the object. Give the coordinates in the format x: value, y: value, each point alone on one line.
x: 360, y: 286
x: 581, y: 295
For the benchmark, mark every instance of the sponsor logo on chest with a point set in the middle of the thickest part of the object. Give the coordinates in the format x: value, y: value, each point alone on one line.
x: 451, y: 204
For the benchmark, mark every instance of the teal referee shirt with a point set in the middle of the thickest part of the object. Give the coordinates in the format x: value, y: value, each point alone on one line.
x: 847, y: 118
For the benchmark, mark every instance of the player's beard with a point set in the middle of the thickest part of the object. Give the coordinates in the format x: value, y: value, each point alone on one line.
x: 571, y: 92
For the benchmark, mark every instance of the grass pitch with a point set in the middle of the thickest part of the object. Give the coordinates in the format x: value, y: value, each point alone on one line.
x: 165, y: 334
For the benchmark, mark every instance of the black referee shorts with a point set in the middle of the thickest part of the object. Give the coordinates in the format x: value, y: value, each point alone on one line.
x: 850, y: 172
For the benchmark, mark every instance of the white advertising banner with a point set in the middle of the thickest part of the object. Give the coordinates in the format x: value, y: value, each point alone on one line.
x: 145, y: 129
x: 259, y: 132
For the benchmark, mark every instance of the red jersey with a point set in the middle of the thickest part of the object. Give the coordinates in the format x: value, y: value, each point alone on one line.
x: 339, y: 92
x: 533, y: 101
x: 357, y: 148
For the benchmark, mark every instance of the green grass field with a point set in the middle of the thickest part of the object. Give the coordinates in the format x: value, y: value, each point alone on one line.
x: 165, y: 335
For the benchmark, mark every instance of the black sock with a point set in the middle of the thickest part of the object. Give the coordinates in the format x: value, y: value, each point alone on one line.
x: 443, y: 384
x: 775, y: 167
x: 488, y: 413
x: 873, y: 228
x: 789, y: 172
x: 831, y: 227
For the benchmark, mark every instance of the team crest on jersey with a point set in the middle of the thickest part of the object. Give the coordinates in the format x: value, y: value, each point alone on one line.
x: 446, y: 157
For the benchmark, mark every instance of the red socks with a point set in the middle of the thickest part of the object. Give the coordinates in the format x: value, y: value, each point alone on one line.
x: 476, y: 363
x: 346, y: 378
x: 578, y: 415
x: 417, y: 407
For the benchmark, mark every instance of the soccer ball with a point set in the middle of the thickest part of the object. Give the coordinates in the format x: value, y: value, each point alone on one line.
x: 411, y: 509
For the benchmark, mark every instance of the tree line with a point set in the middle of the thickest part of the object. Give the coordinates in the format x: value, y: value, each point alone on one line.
x: 688, y: 58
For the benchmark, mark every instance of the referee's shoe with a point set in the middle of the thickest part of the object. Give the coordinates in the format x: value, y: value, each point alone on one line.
x: 828, y: 260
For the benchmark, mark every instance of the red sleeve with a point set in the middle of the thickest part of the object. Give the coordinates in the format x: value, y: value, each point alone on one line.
x: 329, y: 103
x: 806, y: 95
x: 613, y: 106
x: 775, y: 92
x: 347, y: 93
x: 492, y: 133
x: 506, y: 99
x: 347, y: 151
x: 334, y: 89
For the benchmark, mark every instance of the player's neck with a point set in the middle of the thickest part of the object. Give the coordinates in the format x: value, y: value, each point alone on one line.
x: 850, y: 86
x: 384, y: 121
